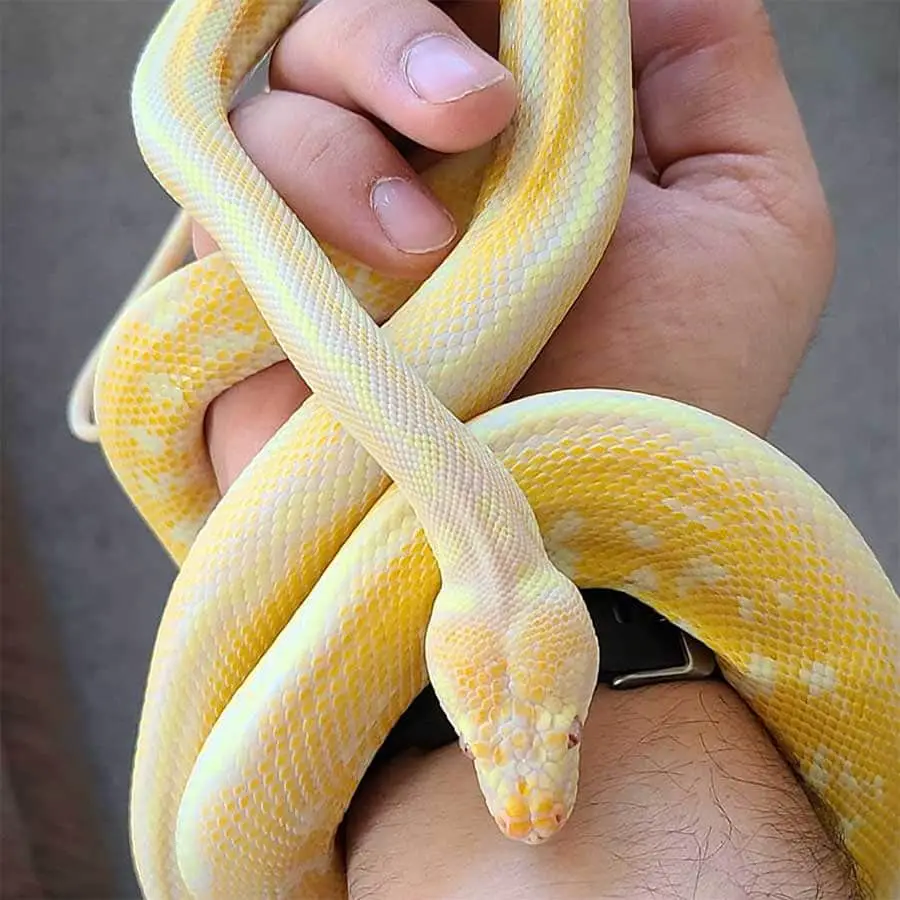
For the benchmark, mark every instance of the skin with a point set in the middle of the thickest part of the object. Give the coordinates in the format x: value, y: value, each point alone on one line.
x: 709, y: 293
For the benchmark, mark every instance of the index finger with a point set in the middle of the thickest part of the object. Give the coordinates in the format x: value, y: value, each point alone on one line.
x: 404, y: 62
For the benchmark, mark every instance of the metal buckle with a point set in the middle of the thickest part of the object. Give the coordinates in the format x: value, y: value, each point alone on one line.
x: 699, y: 662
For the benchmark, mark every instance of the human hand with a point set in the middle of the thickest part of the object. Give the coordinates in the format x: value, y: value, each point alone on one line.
x: 708, y: 293
x: 723, y: 256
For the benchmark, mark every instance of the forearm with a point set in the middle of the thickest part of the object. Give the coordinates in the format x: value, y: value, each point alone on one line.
x: 683, y: 794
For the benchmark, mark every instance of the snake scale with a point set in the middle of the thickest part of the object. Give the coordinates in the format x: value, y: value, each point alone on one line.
x: 405, y: 524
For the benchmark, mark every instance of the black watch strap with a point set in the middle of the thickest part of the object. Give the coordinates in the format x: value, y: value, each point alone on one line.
x: 638, y: 646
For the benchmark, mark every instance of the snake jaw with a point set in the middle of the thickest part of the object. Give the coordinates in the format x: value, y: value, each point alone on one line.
x: 535, y: 831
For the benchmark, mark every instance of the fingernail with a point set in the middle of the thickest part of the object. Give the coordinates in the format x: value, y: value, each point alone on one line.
x: 440, y: 68
x: 412, y: 221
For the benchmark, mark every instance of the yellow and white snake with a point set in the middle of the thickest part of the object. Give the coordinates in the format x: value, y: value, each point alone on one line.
x: 304, y: 611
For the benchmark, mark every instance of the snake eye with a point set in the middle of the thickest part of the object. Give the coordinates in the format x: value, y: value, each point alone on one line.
x: 575, y: 733
x: 466, y: 748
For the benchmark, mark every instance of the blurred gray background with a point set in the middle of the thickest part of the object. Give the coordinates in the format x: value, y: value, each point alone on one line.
x: 81, y: 214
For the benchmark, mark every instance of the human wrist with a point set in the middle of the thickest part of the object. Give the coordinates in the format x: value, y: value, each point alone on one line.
x: 682, y: 792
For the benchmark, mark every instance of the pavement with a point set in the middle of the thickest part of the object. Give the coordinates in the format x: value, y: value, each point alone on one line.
x: 80, y: 215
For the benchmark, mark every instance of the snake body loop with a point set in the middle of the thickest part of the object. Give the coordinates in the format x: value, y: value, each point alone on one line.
x: 293, y: 637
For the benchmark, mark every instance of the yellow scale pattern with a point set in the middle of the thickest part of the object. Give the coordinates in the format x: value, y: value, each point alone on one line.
x: 293, y: 638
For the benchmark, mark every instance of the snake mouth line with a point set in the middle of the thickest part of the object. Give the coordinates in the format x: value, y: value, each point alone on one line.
x: 536, y: 830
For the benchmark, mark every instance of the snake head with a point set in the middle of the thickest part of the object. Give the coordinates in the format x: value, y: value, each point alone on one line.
x: 515, y: 675
x: 528, y: 770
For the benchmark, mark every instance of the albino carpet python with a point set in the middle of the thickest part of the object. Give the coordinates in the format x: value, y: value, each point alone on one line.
x: 303, y: 616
